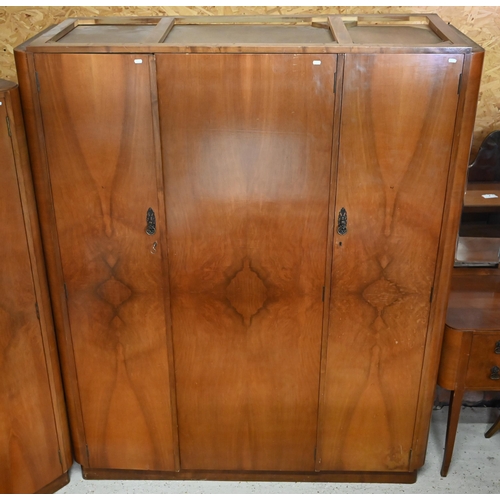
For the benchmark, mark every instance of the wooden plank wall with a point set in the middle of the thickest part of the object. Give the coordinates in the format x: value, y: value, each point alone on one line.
x: 482, y: 24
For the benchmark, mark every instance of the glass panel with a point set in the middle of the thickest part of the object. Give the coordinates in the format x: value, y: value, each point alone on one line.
x: 248, y: 33
x: 108, y: 33
x: 401, y: 35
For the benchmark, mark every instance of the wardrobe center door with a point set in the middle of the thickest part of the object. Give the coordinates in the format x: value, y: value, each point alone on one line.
x: 398, y: 119
x: 29, y: 458
x: 246, y: 142
x: 103, y: 165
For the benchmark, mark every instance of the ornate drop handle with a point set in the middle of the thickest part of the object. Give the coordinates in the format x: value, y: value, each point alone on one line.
x: 497, y: 347
x: 342, y: 222
x: 495, y: 373
x: 150, y: 222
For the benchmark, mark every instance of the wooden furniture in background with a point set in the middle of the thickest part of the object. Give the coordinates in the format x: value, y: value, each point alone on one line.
x: 34, y: 440
x: 470, y: 358
x: 250, y: 229
x: 478, y: 243
x: 481, y: 211
x: 483, y: 196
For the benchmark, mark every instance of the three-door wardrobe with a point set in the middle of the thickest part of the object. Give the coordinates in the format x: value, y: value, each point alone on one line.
x: 249, y: 225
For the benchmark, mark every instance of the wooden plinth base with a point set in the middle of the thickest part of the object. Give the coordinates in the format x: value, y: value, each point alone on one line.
x: 55, y: 485
x: 339, y: 477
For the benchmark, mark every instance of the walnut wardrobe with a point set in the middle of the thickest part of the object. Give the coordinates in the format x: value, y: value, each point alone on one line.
x: 249, y: 226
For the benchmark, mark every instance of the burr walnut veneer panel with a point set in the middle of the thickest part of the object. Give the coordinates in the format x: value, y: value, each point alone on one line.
x: 384, y: 265
x: 247, y: 151
x: 103, y: 175
x: 31, y: 438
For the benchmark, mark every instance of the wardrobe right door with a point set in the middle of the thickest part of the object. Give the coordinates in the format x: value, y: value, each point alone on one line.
x: 397, y: 125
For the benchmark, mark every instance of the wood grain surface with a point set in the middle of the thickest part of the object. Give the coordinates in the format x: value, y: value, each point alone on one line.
x: 247, y: 151
x: 216, y: 475
x: 398, y: 119
x: 456, y: 345
x: 28, y: 439
x: 98, y: 126
x: 474, y: 302
x: 49, y: 253
x: 466, y: 111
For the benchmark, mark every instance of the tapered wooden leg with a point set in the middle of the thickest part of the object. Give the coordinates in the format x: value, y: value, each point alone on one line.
x: 451, y: 428
x: 494, y: 428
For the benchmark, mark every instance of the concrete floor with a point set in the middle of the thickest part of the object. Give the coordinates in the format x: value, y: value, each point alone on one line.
x: 474, y: 469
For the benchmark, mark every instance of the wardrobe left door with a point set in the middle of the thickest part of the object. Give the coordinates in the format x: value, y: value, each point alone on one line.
x: 103, y: 161
x: 33, y: 457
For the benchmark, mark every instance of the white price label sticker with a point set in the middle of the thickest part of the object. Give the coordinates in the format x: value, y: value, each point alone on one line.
x: 489, y: 196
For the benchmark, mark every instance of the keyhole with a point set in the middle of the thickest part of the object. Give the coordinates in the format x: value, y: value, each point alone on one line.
x: 153, y: 248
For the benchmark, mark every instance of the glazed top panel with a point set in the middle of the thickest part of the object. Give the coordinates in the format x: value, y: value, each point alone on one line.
x: 425, y: 33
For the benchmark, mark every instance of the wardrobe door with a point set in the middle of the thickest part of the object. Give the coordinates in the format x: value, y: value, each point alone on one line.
x: 29, y: 448
x: 246, y: 142
x: 398, y: 118
x: 104, y: 169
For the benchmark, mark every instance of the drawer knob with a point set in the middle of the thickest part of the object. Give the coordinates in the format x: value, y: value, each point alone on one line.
x: 495, y: 373
x: 497, y: 347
